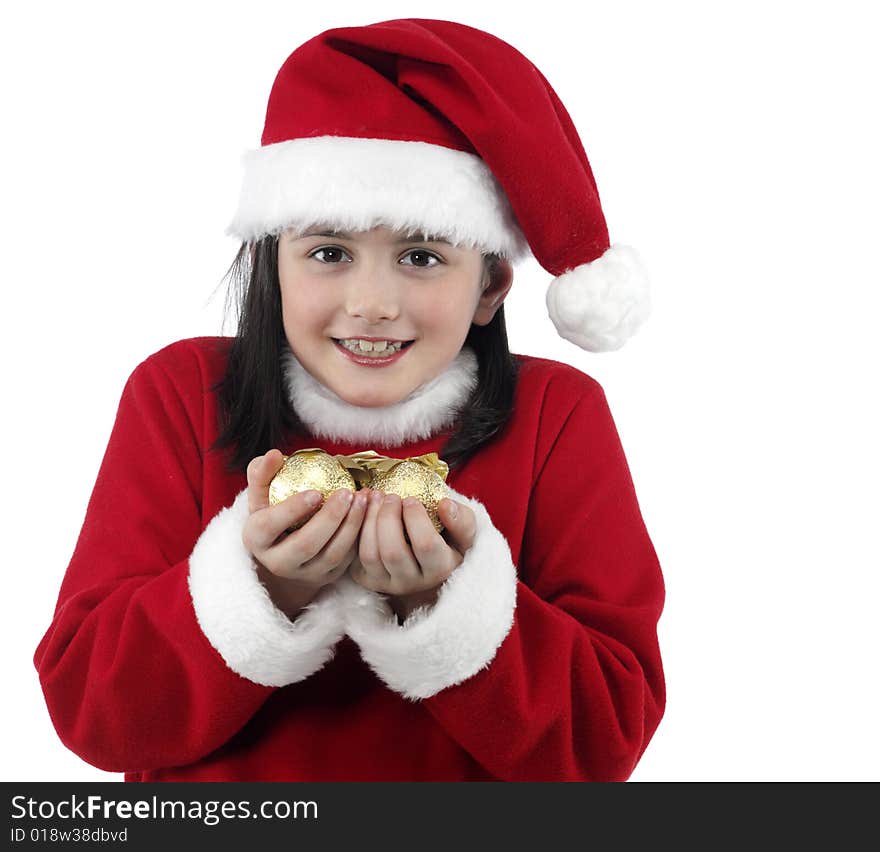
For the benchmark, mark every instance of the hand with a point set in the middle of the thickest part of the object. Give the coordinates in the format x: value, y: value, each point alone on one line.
x: 410, y: 572
x: 294, y: 566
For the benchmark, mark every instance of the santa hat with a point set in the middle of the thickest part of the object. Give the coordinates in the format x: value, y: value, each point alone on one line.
x: 436, y: 127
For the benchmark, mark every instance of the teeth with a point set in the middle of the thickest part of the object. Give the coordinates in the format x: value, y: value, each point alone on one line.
x: 358, y: 345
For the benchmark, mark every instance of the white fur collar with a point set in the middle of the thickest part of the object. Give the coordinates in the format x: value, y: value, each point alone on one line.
x: 426, y: 411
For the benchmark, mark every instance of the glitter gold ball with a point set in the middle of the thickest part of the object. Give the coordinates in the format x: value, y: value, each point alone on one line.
x: 411, y: 479
x: 306, y: 470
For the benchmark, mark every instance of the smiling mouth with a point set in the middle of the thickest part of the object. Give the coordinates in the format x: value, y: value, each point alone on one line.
x: 389, y: 350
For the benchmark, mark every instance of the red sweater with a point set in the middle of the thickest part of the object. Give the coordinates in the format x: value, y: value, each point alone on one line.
x: 166, y: 660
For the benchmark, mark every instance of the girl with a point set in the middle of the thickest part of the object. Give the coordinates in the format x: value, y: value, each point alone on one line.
x: 404, y: 167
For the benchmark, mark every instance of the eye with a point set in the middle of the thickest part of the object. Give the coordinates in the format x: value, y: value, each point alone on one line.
x: 421, y: 259
x: 330, y: 254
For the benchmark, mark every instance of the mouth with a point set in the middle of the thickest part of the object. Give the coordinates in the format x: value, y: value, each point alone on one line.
x: 372, y: 345
x: 372, y: 358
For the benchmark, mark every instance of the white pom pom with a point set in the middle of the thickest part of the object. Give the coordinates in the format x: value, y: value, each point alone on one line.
x: 600, y: 305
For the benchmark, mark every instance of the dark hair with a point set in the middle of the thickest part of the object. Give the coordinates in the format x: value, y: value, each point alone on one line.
x: 255, y: 413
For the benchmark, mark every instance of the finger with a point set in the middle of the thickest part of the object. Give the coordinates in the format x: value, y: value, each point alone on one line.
x: 265, y: 526
x: 368, y: 547
x: 308, y: 540
x: 260, y: 472
x: 342, y: 546
x: 429, y: 549
x: 460, y: 522
x: 394, y: 551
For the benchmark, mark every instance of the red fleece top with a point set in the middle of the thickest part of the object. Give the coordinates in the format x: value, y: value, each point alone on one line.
x: 574, y: 691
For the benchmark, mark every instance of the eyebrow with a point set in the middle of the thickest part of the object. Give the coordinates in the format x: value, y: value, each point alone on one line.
x: 415, y: 238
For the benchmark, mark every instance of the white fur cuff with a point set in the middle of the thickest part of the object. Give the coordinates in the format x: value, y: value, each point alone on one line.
x: 454, y: 639
x: 236, y: 614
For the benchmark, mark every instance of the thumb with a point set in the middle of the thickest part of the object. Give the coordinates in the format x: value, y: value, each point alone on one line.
x: 260, y: 473
x: 460, y: 523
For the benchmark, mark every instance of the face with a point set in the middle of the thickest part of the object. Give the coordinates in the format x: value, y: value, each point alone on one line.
x: 380, y: 285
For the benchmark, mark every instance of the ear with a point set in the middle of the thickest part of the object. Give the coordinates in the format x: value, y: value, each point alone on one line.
x: 494, y: 293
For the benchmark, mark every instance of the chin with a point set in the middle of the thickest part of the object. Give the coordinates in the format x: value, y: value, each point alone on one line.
x: 369, y: 400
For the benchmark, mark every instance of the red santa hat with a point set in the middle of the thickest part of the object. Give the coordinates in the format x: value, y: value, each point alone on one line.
x: 436, y: 127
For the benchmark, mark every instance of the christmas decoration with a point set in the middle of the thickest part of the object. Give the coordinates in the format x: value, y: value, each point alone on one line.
x: 423, y: 477
x: 306, y: 470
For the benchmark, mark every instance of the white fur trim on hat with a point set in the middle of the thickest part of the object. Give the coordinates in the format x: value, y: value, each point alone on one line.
x: 600, y: 305
x: 426, y: 411
x: 451, y: 641
x: 236, y: 614
x: 358, y: 184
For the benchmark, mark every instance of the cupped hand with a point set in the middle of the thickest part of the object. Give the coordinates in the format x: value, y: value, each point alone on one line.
x: 319, y: 551
x: 410, y: 572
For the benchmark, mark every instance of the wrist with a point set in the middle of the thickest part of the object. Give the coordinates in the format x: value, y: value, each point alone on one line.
x: 288, y: 595
x: 405, y: 605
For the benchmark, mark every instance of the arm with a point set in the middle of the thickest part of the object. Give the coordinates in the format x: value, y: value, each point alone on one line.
x: 164, y: 641
x: 556, y: 675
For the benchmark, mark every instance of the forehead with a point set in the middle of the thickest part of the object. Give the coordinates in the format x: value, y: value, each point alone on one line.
x: 380, y: 233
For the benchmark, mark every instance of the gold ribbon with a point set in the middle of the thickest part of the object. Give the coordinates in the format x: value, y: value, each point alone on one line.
x: 362, y: 465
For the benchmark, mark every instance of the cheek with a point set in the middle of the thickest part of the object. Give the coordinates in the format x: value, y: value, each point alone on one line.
x: 300, y: 308
x: 444, y: 314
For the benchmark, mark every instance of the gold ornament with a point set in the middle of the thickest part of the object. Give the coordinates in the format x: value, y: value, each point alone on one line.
x: 306, y: 470
x: 414, y: 477
x: 423, y: 477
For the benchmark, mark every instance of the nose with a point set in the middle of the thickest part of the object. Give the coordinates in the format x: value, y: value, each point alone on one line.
x: 372, y: 296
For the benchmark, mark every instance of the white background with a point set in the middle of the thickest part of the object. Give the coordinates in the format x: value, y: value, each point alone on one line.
x: 735, y: 146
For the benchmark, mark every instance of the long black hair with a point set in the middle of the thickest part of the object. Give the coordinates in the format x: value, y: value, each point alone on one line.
x: 255, y: 412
